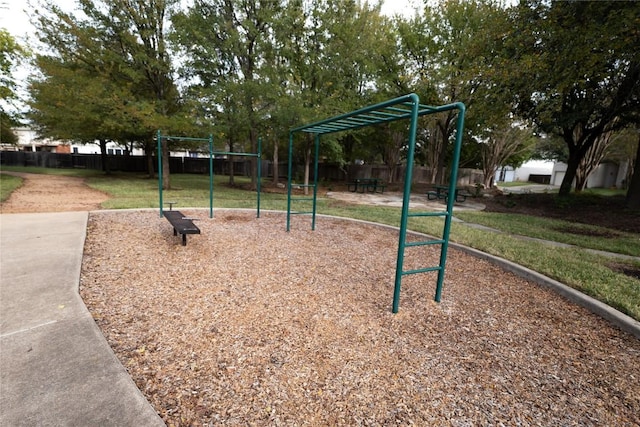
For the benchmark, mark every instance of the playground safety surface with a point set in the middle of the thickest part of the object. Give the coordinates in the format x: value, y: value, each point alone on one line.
x: 250, y: 324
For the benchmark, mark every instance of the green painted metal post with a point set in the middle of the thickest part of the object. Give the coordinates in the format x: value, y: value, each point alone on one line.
x: 259, y: 173
x: 406, y: 200
x: 315, y: 181
x: 159, y: 155
x: 289, y: 173
x: 453, y: 180
x: 210, y: 176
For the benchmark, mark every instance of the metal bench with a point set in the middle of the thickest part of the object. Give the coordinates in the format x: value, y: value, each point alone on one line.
x: 371, y: 185
x: 181, y: 224
x: 442, y: 192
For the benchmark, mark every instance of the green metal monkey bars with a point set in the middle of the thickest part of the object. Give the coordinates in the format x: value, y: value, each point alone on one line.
x: 209, y: 140
x: 404, y: 107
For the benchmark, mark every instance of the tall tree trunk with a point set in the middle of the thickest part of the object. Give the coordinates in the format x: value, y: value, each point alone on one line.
x: 106, y: 167
x: 149, y: 148
x: 166, y: 173
x: 392, y: 153
x: 254, y: 149
x: 232, y: 146
x: 276, y: 170
x: 441, y: 158
x: 433, y: 153
x: 592, y: 159
x: 572, y: 166
x: 633, y: 193
x: 307, y: 163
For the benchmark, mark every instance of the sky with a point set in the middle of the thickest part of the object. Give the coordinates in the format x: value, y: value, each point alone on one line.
x: 14, y: 18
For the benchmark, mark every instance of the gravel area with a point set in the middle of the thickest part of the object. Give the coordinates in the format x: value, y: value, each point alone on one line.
x: 51, y: 193
x: 251, y: 325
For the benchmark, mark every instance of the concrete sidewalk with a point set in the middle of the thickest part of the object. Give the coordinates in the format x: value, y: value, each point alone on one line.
x: 56, y: 368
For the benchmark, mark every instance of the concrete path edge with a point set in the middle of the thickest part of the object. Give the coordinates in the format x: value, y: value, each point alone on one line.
x: 56, y: 367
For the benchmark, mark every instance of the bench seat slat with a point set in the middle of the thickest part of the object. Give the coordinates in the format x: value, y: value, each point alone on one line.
x: 182, y: 225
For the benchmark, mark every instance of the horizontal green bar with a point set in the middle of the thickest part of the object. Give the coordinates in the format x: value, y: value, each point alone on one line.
x: 424, y: 243
x: 394, y: 109
x: 418, y: 214
x: 421, y: 270
x: 228, y: 153
x: 183, y: 138
x: 402, y: 111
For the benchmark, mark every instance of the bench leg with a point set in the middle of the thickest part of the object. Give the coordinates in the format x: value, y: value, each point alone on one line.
x: 184, y: 240
x: 175, y: 232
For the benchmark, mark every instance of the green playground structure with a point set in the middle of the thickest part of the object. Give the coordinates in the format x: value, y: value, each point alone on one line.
x: 406, y: 107
x: 208, y: 140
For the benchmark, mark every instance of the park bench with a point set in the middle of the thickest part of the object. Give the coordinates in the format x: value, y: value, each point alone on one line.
x: 371, y: 185
x: 181, y: 224
x: 442, y: 192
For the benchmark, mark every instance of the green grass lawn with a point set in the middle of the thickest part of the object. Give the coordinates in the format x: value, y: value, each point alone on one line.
x: 514, y: 184
x: 592, y: 274
x: 8, y: 183
x: 582, y: 235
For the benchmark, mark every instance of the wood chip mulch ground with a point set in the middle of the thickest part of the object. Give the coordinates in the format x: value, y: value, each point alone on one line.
x: 249, y: 325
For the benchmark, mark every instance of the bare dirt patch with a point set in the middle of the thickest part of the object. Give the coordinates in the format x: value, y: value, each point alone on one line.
x: 251, y: 325
x: 50, y: 193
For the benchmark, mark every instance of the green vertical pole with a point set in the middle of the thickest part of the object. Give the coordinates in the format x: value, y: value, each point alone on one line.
x: 210, y: 176
x: 315, y: 181
x: 453, y: 179
x: 290, y: 169
x: 259, y: 172
x: 406, y: 199
x: 159, y: 155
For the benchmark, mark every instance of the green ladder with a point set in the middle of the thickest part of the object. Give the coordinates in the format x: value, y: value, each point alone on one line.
x: 447, y: 214
x: 314, y: 186
x: 405, y: 107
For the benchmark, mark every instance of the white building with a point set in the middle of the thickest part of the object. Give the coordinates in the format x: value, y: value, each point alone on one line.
x: 606, y: 175
x: 28, y: 141
x: 538, y: 168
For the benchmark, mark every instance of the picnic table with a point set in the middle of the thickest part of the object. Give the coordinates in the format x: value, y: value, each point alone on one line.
x: 372, y: 185
x: 442, y: 192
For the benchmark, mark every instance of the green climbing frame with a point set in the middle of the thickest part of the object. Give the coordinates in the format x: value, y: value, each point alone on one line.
x: 406, y: 107
x: 209, y: 140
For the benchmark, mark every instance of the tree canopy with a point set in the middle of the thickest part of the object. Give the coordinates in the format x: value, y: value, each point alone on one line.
x: 11, y: 54
x: 243, y: 68
x: 575, y: 70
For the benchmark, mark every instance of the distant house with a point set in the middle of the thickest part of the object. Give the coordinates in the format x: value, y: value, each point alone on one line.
x: 533, y: 170
x: 606, y: 175
x: 28, y: 141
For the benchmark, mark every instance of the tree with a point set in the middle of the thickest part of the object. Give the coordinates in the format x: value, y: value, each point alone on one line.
x: 11, y: 54
x: 334, y: 52
x: 119, y: 46
x: 592, y: 159
x: 228, y: 44
x: 633, y: 193
x: 450, y: 51
x: 577, y: 88
x: 503, y: 147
